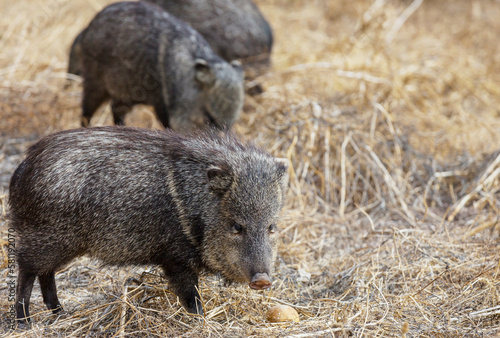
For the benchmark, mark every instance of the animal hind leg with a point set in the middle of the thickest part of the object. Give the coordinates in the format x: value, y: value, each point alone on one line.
x: 49, y: 292
x: 25, y: 281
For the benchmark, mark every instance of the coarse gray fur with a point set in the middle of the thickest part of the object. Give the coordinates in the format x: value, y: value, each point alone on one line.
x: 134, y: 52
x: 186, y: 202
x: 236, y: 29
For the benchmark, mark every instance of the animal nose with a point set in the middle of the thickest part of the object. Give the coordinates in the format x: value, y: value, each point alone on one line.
x: 260, y: 281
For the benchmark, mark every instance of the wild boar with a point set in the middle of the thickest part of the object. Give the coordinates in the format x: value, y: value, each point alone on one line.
x: 127, y: 196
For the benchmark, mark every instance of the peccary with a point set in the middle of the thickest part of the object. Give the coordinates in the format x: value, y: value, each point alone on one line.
x: 186, y: 202
x: 134, y: 52
x: 235, y: 29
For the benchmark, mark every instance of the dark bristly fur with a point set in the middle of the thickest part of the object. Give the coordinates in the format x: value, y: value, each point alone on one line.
x: 134, y: 52
x: 188, y: 203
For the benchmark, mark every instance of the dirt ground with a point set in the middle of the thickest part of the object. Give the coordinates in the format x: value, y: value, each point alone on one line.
x: 388, y: 111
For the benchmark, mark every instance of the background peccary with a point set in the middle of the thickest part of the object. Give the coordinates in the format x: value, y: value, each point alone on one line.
x: 188, y: 203
x: 235, y: 29
x: 134, y: 52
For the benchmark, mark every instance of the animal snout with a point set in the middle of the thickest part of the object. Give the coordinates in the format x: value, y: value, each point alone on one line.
x: 260, y: 281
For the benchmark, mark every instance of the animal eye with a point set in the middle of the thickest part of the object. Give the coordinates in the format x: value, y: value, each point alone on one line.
x: 237, y: 229
x: 272, y: 228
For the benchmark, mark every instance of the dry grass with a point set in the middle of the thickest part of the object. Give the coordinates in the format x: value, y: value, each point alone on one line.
x: 388, y: 112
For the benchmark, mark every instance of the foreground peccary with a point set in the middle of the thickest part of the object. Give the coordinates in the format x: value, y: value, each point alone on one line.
x: 134, y: 52
x: 188, y: 203
x: 235, y: 29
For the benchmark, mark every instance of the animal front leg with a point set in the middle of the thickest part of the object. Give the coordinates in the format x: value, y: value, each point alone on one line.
x: 184, y: 283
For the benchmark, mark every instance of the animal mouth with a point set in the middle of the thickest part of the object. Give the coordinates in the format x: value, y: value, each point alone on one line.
x: 260, y: 281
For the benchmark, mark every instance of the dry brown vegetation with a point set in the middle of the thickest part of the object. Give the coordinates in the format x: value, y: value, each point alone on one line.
x: 389, y: 114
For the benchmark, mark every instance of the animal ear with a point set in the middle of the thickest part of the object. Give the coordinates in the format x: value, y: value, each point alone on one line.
x: 219, y: 179
x: 282, y: 169
x: 203, y: 72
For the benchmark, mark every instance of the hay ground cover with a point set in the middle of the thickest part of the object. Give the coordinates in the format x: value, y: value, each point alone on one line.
x: 388, y: 111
